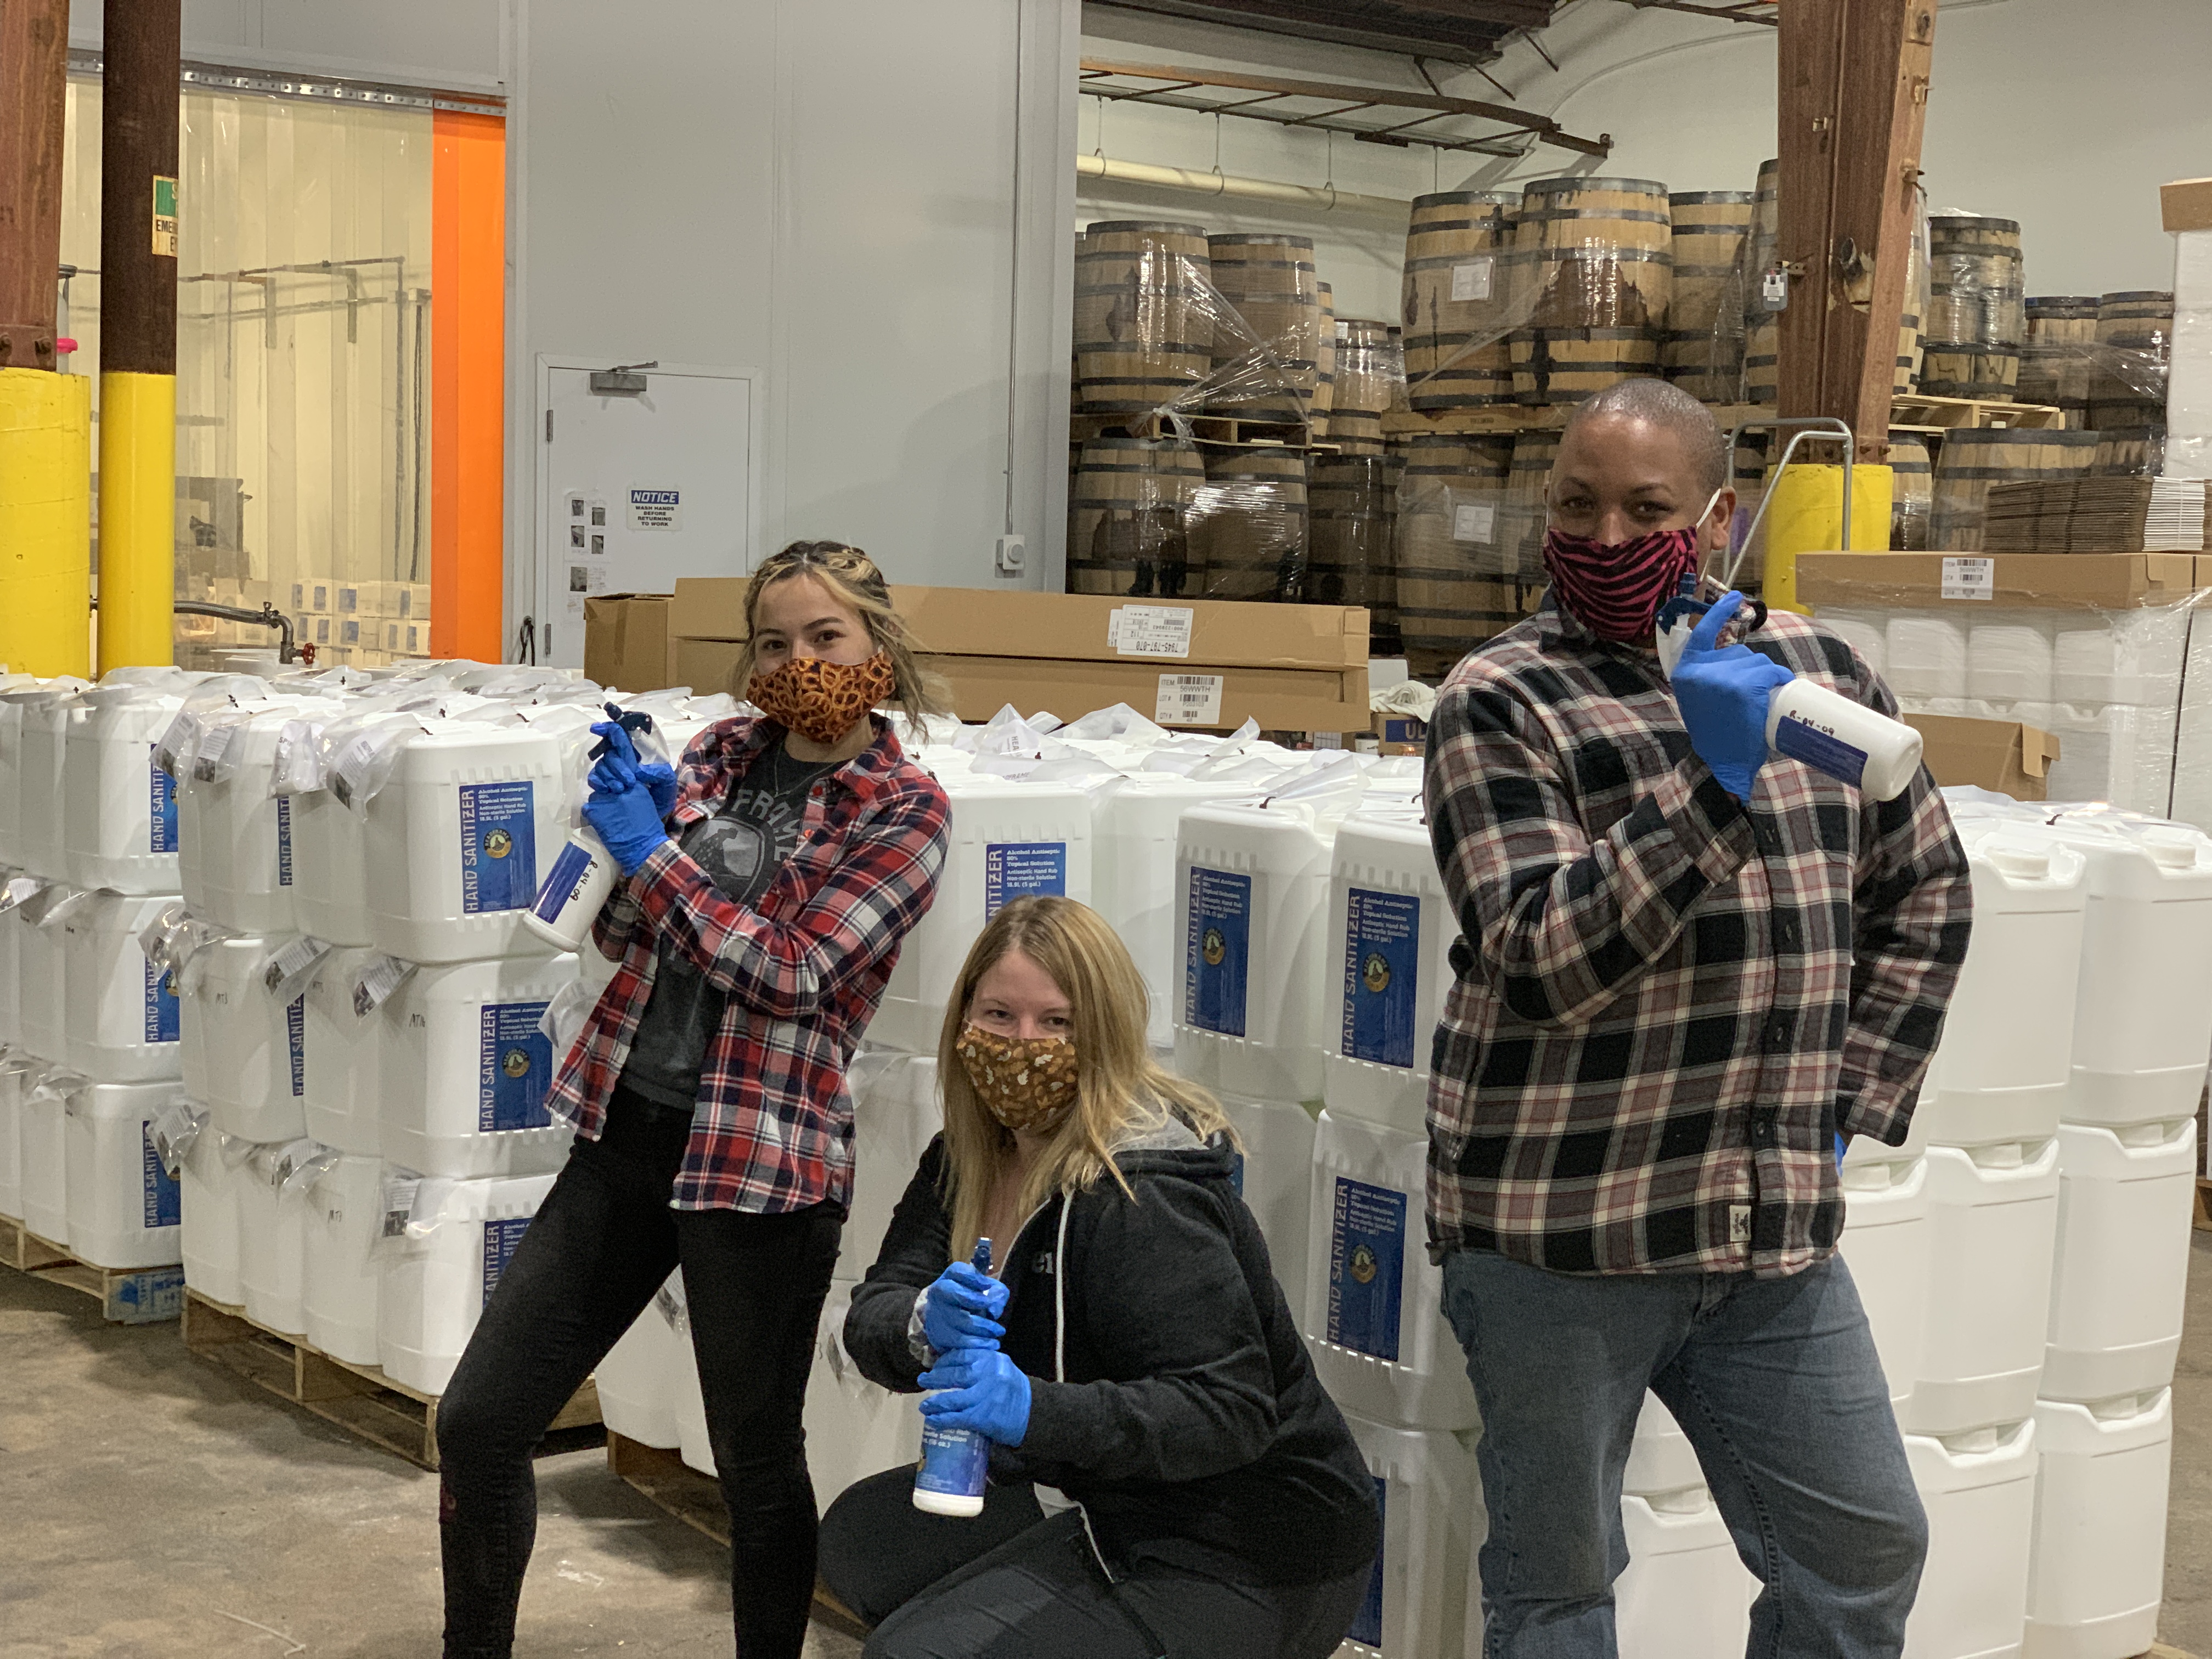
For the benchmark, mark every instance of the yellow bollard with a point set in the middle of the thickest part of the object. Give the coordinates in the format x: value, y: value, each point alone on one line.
x: 137, y: 520
x: 1805, y: 514
x: 45, y: 521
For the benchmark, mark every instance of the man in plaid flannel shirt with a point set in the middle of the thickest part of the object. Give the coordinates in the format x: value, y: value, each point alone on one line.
x: 1673, y: 995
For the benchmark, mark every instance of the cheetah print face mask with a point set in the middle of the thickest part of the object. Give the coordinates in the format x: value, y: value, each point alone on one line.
x: 1026, y: 1083
x: 822, y: 700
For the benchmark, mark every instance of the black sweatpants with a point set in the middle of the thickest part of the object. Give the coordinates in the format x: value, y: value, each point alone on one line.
x: 1011, y: 1584
x: 603, y: 1243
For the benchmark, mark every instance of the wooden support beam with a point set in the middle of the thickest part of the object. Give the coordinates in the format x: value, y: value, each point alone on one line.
x: 33, y: 93
x: 1854, y: 101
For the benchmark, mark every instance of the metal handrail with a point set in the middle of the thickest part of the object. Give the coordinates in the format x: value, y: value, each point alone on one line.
x: 1810, y: 426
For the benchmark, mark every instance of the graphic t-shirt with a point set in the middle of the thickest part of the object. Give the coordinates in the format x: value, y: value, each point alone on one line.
x: 741, y: 847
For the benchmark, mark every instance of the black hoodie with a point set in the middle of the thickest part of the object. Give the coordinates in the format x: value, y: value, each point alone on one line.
x: 1170, y: 1391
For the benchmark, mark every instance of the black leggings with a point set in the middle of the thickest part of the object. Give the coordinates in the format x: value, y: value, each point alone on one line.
x: 1011, y: 1584
x: 603, y: 1243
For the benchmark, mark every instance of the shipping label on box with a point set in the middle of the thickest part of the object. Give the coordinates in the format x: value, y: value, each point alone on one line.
x: 1188, y: 700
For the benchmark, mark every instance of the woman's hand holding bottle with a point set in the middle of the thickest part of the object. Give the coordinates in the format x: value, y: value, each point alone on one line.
x: 961, y: 1310
x: 981, y: 1390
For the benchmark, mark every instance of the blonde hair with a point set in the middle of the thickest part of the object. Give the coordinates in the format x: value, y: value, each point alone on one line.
x: 852, y: 578
x: 1119, y: 1085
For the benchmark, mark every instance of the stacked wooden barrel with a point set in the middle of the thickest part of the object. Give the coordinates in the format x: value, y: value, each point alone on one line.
x: 1525, y: 511
x: 1977, y: 309
x: 1974, y: 458
x: 1597, y: 258
x: 1457, y: 306
x: 1762, y: 329
x: 1912, y: 483
x: 2054, y: 363
x: 1266, y: 358
x: 1246, y: 523
x: 1699, y: 354
x: 1371, y: 380
x: 1144, y: 331
x: 2124, y: 452
x: 1909, y: 345
x: 1127, y: 513
x: 1350, y: 541
x: 1457, y: 567
x: 1325, y: 363
x: 2128, y: 368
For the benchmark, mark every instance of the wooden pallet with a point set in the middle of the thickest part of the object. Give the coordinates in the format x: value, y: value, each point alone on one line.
x: 668, y: 1483
x: 1907, y: 414
x: 2204, y: 1204
x: 360, y: 1399
x: 1215, y: 431
x: 128, y: 1296
x: 1914, y: 413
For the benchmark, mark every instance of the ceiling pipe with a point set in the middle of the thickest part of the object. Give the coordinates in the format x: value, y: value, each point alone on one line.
x: 1327, y: 199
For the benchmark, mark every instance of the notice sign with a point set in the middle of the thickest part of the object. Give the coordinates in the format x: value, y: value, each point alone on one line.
x: 656, y: 509
x: 1970, y: 578
x: 165, y: 217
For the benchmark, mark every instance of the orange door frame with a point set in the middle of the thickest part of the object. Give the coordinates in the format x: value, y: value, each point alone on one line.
x: 468, y: 367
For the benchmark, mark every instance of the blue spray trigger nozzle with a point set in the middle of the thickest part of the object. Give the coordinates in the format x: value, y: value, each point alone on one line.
x: 1686, y: 603
x: 630, y: 720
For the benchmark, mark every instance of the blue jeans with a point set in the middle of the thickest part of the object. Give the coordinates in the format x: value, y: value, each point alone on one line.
x: 1776, y: 1384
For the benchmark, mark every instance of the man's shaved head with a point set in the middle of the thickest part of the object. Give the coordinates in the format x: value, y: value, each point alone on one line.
x: 1667, y: 406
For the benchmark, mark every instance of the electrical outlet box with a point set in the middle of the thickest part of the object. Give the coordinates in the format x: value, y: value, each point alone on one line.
x: 1012, y: 555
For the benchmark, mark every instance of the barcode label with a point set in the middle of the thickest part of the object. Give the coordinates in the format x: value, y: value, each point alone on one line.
x: 1188, y: 700
x: 1149, y: 630
x: 1970, y: 578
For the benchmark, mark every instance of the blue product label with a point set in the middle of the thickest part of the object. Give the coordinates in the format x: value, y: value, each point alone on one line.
x: 164, y: 1199
x: 1382, y: 975
x: 568, y: 871
x: 296, y: 1042
x: 514, y: 1067
x: 162, y: 1008
x: 283, y: 841
x: 1367, y: 1623
x: 1018, y: 869
x: 500, y: 1239
x: 161, y: 831
x: 1216, y: 946
x: 1366, y: 1267
x: 956, y: 1461
x: 1824, y: 751
x: 498, y: 846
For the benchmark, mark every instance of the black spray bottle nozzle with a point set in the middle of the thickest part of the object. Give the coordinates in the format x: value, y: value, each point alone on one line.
x: 630, y: 720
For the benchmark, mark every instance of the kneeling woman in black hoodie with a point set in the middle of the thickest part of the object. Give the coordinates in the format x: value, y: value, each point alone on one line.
x: 1168, y: 1476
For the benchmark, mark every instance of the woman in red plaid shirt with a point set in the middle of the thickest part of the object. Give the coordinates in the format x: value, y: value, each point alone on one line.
x: 769, y: 879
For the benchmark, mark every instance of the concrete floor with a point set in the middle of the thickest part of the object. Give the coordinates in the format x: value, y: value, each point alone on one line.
x: 155, y: 1506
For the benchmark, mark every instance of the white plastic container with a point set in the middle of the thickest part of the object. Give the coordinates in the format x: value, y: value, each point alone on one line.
x: 122, y: 1017
x: 209, y: 1204
x: 1389, y: 948
x: 1661, y: 1459
x: 42, y: 844
x: 14, y: 695
x: 452, y: 842
x: 1134, y: 879
x: 1886, y: 1244
x: 244, y: 1053
x: 1007, y: 840
x: 1274, y: 1173
x: 573, y: 891
x: 11, y: 981
x: 119, y: 809
x: 436, y: 1282
x: 341, y: 1218
x: 1978, y: 1488
x: 1848, y: 741
x: 237, y: 860
x: 2002, y: 1066
x: 636, y: 1382
x: 41, y: 1005
x: 12, y: 1086
x: 2121, y: 1270
x: 343, y: 1104
x: 45, y: 1141
x: 123, y: 1203
x: 896, y: 1112
x: 854, y: 1428
x: 1422, y: 1598
x: 693, y: 1444
x: 330, y: 869
x: 1685, y: 1594
x: 273, y: 1238
x: 463, y: 1070
x: 1252, y: 898
x: 1993, y: 1221
x: 1373, y: 1318
x: 2096, y: 1570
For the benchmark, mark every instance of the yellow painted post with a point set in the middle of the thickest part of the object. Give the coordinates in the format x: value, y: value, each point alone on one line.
x: 138, y: 519
x: 45, y: 521
x: 1805, y: 514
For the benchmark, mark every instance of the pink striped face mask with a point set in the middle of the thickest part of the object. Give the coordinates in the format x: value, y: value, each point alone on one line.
x: 1616, y: 588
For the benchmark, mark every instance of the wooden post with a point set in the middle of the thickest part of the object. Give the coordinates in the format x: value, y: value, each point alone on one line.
x: 34, y: 98
x: 1853, y: 102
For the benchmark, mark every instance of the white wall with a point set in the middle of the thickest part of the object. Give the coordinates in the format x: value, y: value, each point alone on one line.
x: 449, y: 44
x: 823, y: 190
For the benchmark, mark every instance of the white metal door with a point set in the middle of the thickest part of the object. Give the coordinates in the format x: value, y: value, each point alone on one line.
x: 637, y: 489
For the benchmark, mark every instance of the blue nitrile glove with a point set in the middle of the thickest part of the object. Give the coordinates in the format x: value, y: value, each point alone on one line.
x: 1724, y: 694
x: 980, y: 1389
x: 626, y: 821
x: 616, y: 746
x: 1843, y: 1146
x: 962, y: 1309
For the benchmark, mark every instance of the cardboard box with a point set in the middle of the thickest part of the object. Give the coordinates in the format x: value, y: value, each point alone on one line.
x: 2005, y: 756
x: 626, y: 645
x: 2186, y: 205
x: 2063, y: 581
x: 706, y: 665
x: 998, y: 623
x: 1204, y: 698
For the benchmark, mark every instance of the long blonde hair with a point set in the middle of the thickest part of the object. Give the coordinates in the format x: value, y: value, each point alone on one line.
x: 1119, y: 1085
x: 852, y: 578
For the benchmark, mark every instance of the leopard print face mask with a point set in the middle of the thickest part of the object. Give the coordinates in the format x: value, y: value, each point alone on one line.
x: 820, y: 700
x: 1026, y: 1083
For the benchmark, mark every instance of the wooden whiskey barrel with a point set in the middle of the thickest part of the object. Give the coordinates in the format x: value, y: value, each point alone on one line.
x: 1325, y: 363
x: 1711, y: 228
x: 1352, y: 519
x: 1126, y: 509
x: 1458, y: 566
x: 1912, y: 483
x: 1274, y: 340
x: 1457, y: 306
x: 1976, y: 292
x: 1989, y: 373
x: 1525, y: 511
x: 1974, y: 458
x: 1565, y: 365
x: 1909, y: 344
x: 1371, y: 378
x: 2128, y: 363
x: 2130, y: 452
x: 1601, y: 253
x: 1761, y: 359
x: 1247, y: 524
x: 2054, y: 364
x: 1144, y: 334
